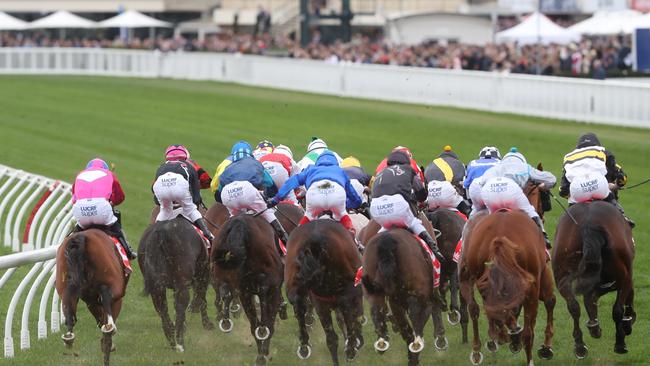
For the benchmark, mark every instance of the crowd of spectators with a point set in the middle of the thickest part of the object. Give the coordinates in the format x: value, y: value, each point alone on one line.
x: 595, y: 57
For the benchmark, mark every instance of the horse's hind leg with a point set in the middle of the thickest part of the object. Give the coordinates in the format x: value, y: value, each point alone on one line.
x: 69, y: 303
x: 405, y: 330
x: 159, y: 299
x: 107, y: 306
x: 199, y: 301
x: 454, y: 310
x: 467, y: 290
x: 440, y: 341
x: 181, y: 301
x: 353, y: 336
x: 591, y: 306
x: 580, y: 349
x: 300, y: 308
x: 418, y: 311
x: 222, y: 303
x: 378, y: 312
x: 618, y: 313
x: 530, y: 317
x: 629, y: 316
x: 325, y: 316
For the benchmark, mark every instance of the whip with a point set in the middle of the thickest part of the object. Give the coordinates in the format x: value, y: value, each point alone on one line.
x: 636, y: 185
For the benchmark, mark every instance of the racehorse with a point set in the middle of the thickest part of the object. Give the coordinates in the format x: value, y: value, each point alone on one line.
x: 450, y: 224
x: 173, y: 255
x: 88, y: 266
x: 397, y: 268
x: 321, y: 264
x: 593, y: 256
x: 504, y: 256
x: 245, y: 261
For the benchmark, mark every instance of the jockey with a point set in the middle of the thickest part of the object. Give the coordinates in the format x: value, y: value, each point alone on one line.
x: 445, y: 175
x: 95, y: 192
x: 314, y: 149
x: 178, y: 181
x: 280, y: 166
x: 502, y: 186
x: 487, y: 158
x: 328, y: 189
x: 414, y: 164
x: 263, y: 148
x: 392, y: 198
x: 359, y: 179
x: 591, y: 173
x: 220, y: 168
x: 240, y: 185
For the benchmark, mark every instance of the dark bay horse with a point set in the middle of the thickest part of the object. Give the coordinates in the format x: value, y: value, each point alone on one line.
x: 172, y: 255
x: 396, y: 268
x: 321, y: 264
x: 505, y: 258
x: 594, y: 256
x: 89, y: 267
x: 450, y: 224
x: 245, y: 261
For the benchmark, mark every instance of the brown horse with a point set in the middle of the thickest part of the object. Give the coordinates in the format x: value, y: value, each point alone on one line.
x: 322, y: 261
x: 396, y: 268
x: 593, y: 256
x: 172, y: 255
x: 450, y: 224
x: 245, y: 261
x: 505, y: 258
x: 89, y: 267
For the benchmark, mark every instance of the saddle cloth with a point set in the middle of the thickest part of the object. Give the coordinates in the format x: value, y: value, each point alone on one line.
x: 125, y: 260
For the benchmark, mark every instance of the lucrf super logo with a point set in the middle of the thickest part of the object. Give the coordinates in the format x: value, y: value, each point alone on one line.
x: 168, y: 182
x: 88, y: 210
x: 589, y: 186
x: 235, y: 192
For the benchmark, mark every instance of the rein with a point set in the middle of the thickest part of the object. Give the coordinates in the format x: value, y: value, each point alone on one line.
x: 636, y: 185
x: 277, y: 209
x: 563, y: 208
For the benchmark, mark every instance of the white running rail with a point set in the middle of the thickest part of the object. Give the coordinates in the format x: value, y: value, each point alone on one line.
x: 35, y: 216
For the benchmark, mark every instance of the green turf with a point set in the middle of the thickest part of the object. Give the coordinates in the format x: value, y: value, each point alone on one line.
x: 53, y: 125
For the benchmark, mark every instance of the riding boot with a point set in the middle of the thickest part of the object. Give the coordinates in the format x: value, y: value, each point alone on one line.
x: 616, y: 204
x: 200, y: 223
x: 432, y: 245
x: 540, y: 224
x: 346, y: 221
x: 282, y: 234
x: 464, y: 208
x: 116, y: 229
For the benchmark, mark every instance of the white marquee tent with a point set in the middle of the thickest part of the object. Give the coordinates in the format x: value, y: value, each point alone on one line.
x: 133, y: 19
x: 7, y: 22
x: 537, y: 28
x: 61, y: 20
x: 607, y: 22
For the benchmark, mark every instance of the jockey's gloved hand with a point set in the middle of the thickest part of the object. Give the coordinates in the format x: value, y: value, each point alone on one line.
x: 363, y: 206
x: 272, y: 202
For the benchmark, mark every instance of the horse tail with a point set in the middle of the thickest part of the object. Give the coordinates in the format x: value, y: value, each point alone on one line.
x: 77, y: 263
x: 594, y: 239
x: 504, y: 281
x: 309, y: 260
x: 385, y: 280
x: 233, y: 239
x: 156, y: 259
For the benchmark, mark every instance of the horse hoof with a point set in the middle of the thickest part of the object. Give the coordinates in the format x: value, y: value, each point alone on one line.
x: 225, y: 325
x: 453, y: 317
x: 382, y: 345
x: 417, y: 345
x: 595, y: 331
x: 235, y: 308
x: 364, y: 320
x: 476, y: 358
x: 68, y: 339
x: 304, y: 351
x: 515, y: 347
x: 208, y: 325
x: 350, y: 353
x: 492, y: 346
x: 441, y: 343
x: 261, y: 360
x: 621, y: 349
x: 580, y: 351
x: 545, y: 353
x: 626, y: 323
x: 262, y: 333
x: 109, y: 329
x: 178, y: 348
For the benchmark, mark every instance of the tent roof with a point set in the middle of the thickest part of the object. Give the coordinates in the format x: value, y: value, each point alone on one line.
x: 7, y: 22
x: 207, y: 25
x: 133, y: 19
x: 607, y: 22
x: 537, y: 27
x: 62, y: 19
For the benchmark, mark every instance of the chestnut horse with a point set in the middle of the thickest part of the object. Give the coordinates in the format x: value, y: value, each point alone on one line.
x: 504, y: 257
x: 245, y: 261
x: 396, y: 268
x: 321, y: 264
x: 172, y: 255
x: 593, y: 256
x: 89, y: 267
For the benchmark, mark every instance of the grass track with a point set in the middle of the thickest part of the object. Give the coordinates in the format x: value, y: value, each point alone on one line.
x: 53, y: 125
